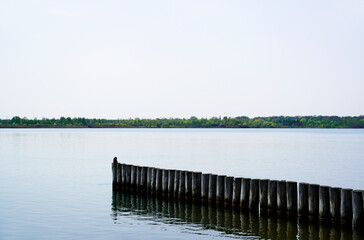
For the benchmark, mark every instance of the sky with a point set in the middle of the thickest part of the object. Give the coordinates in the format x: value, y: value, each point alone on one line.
x: 177, y: 59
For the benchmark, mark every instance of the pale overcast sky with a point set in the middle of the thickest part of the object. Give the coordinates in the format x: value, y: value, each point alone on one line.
x: 149, y: 59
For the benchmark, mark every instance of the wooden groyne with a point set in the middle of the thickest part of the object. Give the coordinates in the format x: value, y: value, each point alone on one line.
x: 260, y: 196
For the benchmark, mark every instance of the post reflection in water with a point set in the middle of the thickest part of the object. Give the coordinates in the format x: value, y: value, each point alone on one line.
x: 224, y: 220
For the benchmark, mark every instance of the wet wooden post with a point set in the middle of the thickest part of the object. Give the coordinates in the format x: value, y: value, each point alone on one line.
x: 128, y: 176
x: 196, y: 186
x: 282, y: 197
x: 303, y: 200
x: 313, y: 201
x: 182, y: 185
x: 263, y: 195
x: 122, y: 174
x: 139, y: 174
x: 171, y: 174
x: 254, y: 196
x: 118, y: 177
x: 188, y: 185
x: 114, y: 166
x: 143, y: 178
x: 153, y: 180
x: 358, y: 214
x: 272, y: 196
x: 228, y: 195
x: 212, y: 188
x: 149, y: 179
x: 205, y: 187
x: 245, y: 193
x: 237, y: 191
x: 220, y: 189
x: 133, y: 178
x: 324, y: 203
x: 165, y: 182
x: 346, y: 206
x: 292, y: 198
x: 176, y: 183
x: 158, y: 182
x: 335, y: 204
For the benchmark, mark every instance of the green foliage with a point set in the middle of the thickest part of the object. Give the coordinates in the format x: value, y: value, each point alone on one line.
x: 192, y: 122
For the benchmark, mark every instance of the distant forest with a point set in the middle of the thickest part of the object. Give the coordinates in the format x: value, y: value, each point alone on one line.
x: 192, y: 122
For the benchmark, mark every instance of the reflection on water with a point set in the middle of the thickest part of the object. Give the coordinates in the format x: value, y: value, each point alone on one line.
x: 224, y: 220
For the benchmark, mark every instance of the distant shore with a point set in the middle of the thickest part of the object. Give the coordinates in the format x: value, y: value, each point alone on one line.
x: 192, y: 122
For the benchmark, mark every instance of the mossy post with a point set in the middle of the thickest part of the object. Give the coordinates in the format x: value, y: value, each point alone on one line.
x: 228, y: 195
x: 335, y: 204
x: 220, y: 189
x: 346, y: 206
x: 324, y: 204
x: 282, y: 197
x: 313, y: 201
x: 196, y: 186
x: 254, y: 196
x: 205, y: 187
x: 237, y: 191
x: 245, y: 193
x: 212, y: 188
x: 272, y: 196
x: 303, y: 200
x: 358, y: 214
x: 263, y: 195
x: 292, y: 198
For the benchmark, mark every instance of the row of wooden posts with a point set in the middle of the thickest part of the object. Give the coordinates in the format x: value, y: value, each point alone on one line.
x: 262, y: 196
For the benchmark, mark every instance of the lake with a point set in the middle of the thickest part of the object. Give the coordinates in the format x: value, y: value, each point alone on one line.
x: 56, y: 183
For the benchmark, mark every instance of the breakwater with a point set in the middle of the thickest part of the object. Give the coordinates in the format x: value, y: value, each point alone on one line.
x: 289, y: 199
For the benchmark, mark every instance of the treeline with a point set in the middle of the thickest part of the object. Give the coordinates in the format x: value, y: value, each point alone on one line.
x: 193, y: 122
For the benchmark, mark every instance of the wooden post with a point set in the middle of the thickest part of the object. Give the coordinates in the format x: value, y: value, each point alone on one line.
x: 303, y: 200
x: 324, y: 203
x: 335, y: 204
x: 196, y: 186
x: 254, y: 196
x: 272, y: 196
x: 220, y: 189
x: 205, y: 187
x: 182, y: 185
x: 133, y: 177
x: 122, y: 174
x: 128, y: 175
x: 358, y: 214
x: 212, y: 188
x: 171, y: 182
x: 237, y: 191
x: 164, y: 182
x: 263, y: 195
x: 118, y: 177
x: 313, y: 201
x: 282, y: 197
x: 149, y: 179
x: 153, y: 180
x: 143, y: 178
x: 245, y: 193
x: 292, y: 198
x: 114, y: 172
x: 176, y: 183
x: 158, y: 182
x: 188, y: 188
x: 346, y: 206
x: 228, y: 198
x: 139, y: 174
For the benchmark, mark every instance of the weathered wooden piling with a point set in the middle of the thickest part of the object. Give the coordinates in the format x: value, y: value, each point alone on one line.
x: 176, y: 183
x: 254, y: 196
x: 272, y: 196
x: 149, y: 179
x: 171, y: 174
x: 263, y: 195
x: 313, y: 201
x: 358, y: 214
x: 346, y: 206
x: 212, y: 188
x: 119, y: 173
x: 196, y: 186
x: 122, y: 174
x: 188, y: 185
x: 324, y: 203
x: 228, y: 198
x: 237, y: 191
x: 143, y: 178
x: 153, y: 180
x: 220, y: 189
x: 292, y: 198
x: 127, y: 176
x: 205, y: 187
x: 335, y: 204
x: 282, y: 197
x: 114, y: 171
x: 182, y: 185
x: 303, y: 200
x: 139, y: 174
x: 165, y: 182
x: 245, y: 193
x: 158, y: 181
x: 133, y: 177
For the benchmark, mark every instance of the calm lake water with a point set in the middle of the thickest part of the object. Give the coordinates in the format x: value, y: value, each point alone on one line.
x: 56, y: 183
